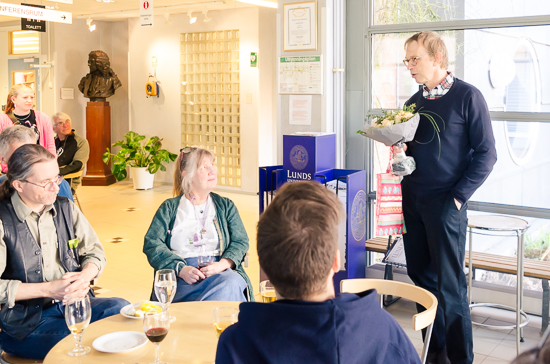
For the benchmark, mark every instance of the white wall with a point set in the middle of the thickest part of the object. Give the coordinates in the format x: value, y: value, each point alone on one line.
x: 162, y: 116
x: 131, y: 47
x: 321, y: 115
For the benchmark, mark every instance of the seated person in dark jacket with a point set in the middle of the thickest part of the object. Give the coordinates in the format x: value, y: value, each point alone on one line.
x: 12, y: 138
x: 298, y: 250
x: 35, y: 227
x: 73, y: 150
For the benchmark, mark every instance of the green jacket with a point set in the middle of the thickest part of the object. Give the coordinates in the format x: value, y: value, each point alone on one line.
x: 233, y: 237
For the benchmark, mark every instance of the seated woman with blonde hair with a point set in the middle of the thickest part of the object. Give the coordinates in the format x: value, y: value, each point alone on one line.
x: 198, y: 223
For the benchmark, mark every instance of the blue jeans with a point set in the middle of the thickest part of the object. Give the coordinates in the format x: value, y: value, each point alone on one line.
x: 52, y: 328
x: 225, y: 286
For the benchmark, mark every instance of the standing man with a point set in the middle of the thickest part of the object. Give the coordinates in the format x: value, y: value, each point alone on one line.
x: 73, y: 150
x: 435, y: 195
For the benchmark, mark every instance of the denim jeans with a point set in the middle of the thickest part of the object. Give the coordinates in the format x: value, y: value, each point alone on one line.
x: 225, y: 286
x: 52, y: 328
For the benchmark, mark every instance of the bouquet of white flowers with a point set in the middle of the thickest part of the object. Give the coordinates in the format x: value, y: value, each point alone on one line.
x: 396, y: 127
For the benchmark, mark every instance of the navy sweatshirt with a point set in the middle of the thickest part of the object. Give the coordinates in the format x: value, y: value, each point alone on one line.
x: 351, y: 328
x: 467, y: 143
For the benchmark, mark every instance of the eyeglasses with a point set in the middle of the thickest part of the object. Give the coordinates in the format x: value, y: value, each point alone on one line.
x: 62, y: 122
x: 187, y: 149
x: 50, y: 185
x: 413, y: 61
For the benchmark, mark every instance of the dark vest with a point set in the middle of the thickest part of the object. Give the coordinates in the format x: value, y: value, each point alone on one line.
x: 24, y: 263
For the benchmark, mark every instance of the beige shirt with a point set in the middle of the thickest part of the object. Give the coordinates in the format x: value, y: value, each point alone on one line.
x: 43, y: 230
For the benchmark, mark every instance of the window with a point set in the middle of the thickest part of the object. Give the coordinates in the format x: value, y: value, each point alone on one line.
x: 23, y: 42
x: 503, y: 49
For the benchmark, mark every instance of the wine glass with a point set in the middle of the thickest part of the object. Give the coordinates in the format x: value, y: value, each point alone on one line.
x: 156, y: 326
x: 165, y: 287
x: 77, y: 316
x: 223, y: 318
x: 267, y: 291
x: 205, y: 260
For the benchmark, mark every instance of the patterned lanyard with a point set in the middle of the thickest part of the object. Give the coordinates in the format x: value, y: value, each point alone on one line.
x: 203, y: 221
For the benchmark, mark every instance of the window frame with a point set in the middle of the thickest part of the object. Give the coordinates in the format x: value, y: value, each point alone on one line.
x: 468, y: 24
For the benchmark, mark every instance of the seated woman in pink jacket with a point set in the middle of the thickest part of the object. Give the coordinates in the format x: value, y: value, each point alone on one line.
x: 19, y: 112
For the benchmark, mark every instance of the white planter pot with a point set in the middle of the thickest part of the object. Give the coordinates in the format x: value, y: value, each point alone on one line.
x: 143, y: 180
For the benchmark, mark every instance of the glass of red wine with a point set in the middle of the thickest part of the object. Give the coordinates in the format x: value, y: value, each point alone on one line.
x: 156, y: 326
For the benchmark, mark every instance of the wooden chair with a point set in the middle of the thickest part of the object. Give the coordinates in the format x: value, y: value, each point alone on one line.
x: 408, y: 291
x: 70, y: 176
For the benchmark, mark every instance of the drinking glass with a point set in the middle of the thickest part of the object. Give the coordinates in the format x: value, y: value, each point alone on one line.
x: 205, y: 260
x: 77, y: 316
x: 267, y: 291
x: 165, y: 287
x: 224, y: 317
x: 156, y: 326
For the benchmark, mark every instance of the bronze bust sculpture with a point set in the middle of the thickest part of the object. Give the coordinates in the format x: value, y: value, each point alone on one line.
x: 101, y: 82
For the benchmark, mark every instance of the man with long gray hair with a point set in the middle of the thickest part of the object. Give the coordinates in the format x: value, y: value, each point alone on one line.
x: 36, y: 228
x: 12, y: 138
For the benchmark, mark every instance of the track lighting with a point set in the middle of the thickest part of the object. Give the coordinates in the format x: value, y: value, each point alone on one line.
x: 206, y: 18
x: 91, y: 27
x: 192, y: 19
x: 167, y: 18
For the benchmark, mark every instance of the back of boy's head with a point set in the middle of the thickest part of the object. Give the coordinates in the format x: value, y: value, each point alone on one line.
x: 298, y: 238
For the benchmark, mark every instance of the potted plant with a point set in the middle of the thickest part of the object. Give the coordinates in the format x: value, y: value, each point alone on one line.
x: 144, y: 159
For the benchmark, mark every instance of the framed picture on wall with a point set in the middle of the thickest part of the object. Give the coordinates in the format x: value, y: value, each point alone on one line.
x: 300, y: 26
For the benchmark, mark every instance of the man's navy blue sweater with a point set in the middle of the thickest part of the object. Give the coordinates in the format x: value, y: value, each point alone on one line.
x: 467, y: 143
x: 351, y: 328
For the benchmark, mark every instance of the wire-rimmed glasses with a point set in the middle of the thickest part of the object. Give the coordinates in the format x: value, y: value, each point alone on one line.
x: 413, y: 61
x: 49, y: 185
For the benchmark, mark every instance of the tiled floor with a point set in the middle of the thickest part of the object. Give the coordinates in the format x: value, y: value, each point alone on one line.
x: 121, y: 217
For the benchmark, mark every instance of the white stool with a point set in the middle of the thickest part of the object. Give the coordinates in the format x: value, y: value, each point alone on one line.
x: 502, y: 223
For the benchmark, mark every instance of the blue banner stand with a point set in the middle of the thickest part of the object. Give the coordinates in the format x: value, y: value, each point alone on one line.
x: 354, y: 253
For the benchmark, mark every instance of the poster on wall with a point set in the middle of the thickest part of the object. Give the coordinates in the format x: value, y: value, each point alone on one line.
x: 299, y: 109
x: 300, y: 26
x: 301, y: 75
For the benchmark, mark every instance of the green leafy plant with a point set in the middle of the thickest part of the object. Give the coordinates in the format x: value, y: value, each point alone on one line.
x: 134, y: 153
x: 538, y: 248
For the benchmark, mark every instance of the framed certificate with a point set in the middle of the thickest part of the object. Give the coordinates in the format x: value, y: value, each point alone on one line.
x: 300, y: 26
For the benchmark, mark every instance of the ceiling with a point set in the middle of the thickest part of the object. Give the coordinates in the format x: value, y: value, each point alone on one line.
x: 122, y: 9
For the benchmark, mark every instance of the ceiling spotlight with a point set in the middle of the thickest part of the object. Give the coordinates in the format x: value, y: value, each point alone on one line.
x: 206, y: 18
x: 167, y: 18
x: 192, y: 19
x: 91, y: 27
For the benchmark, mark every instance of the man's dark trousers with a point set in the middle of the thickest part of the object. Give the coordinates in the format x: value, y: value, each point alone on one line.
x: 434, y: 246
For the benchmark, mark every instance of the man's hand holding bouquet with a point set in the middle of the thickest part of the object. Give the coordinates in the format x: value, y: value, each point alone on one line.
x: 396, y: 127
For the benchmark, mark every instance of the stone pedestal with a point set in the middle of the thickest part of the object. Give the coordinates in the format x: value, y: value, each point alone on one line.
x: 98, y: 133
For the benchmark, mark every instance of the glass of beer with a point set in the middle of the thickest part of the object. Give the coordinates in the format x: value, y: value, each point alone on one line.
x: 223, y: 317
x: 267, y: 291
x: 77, y: 316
